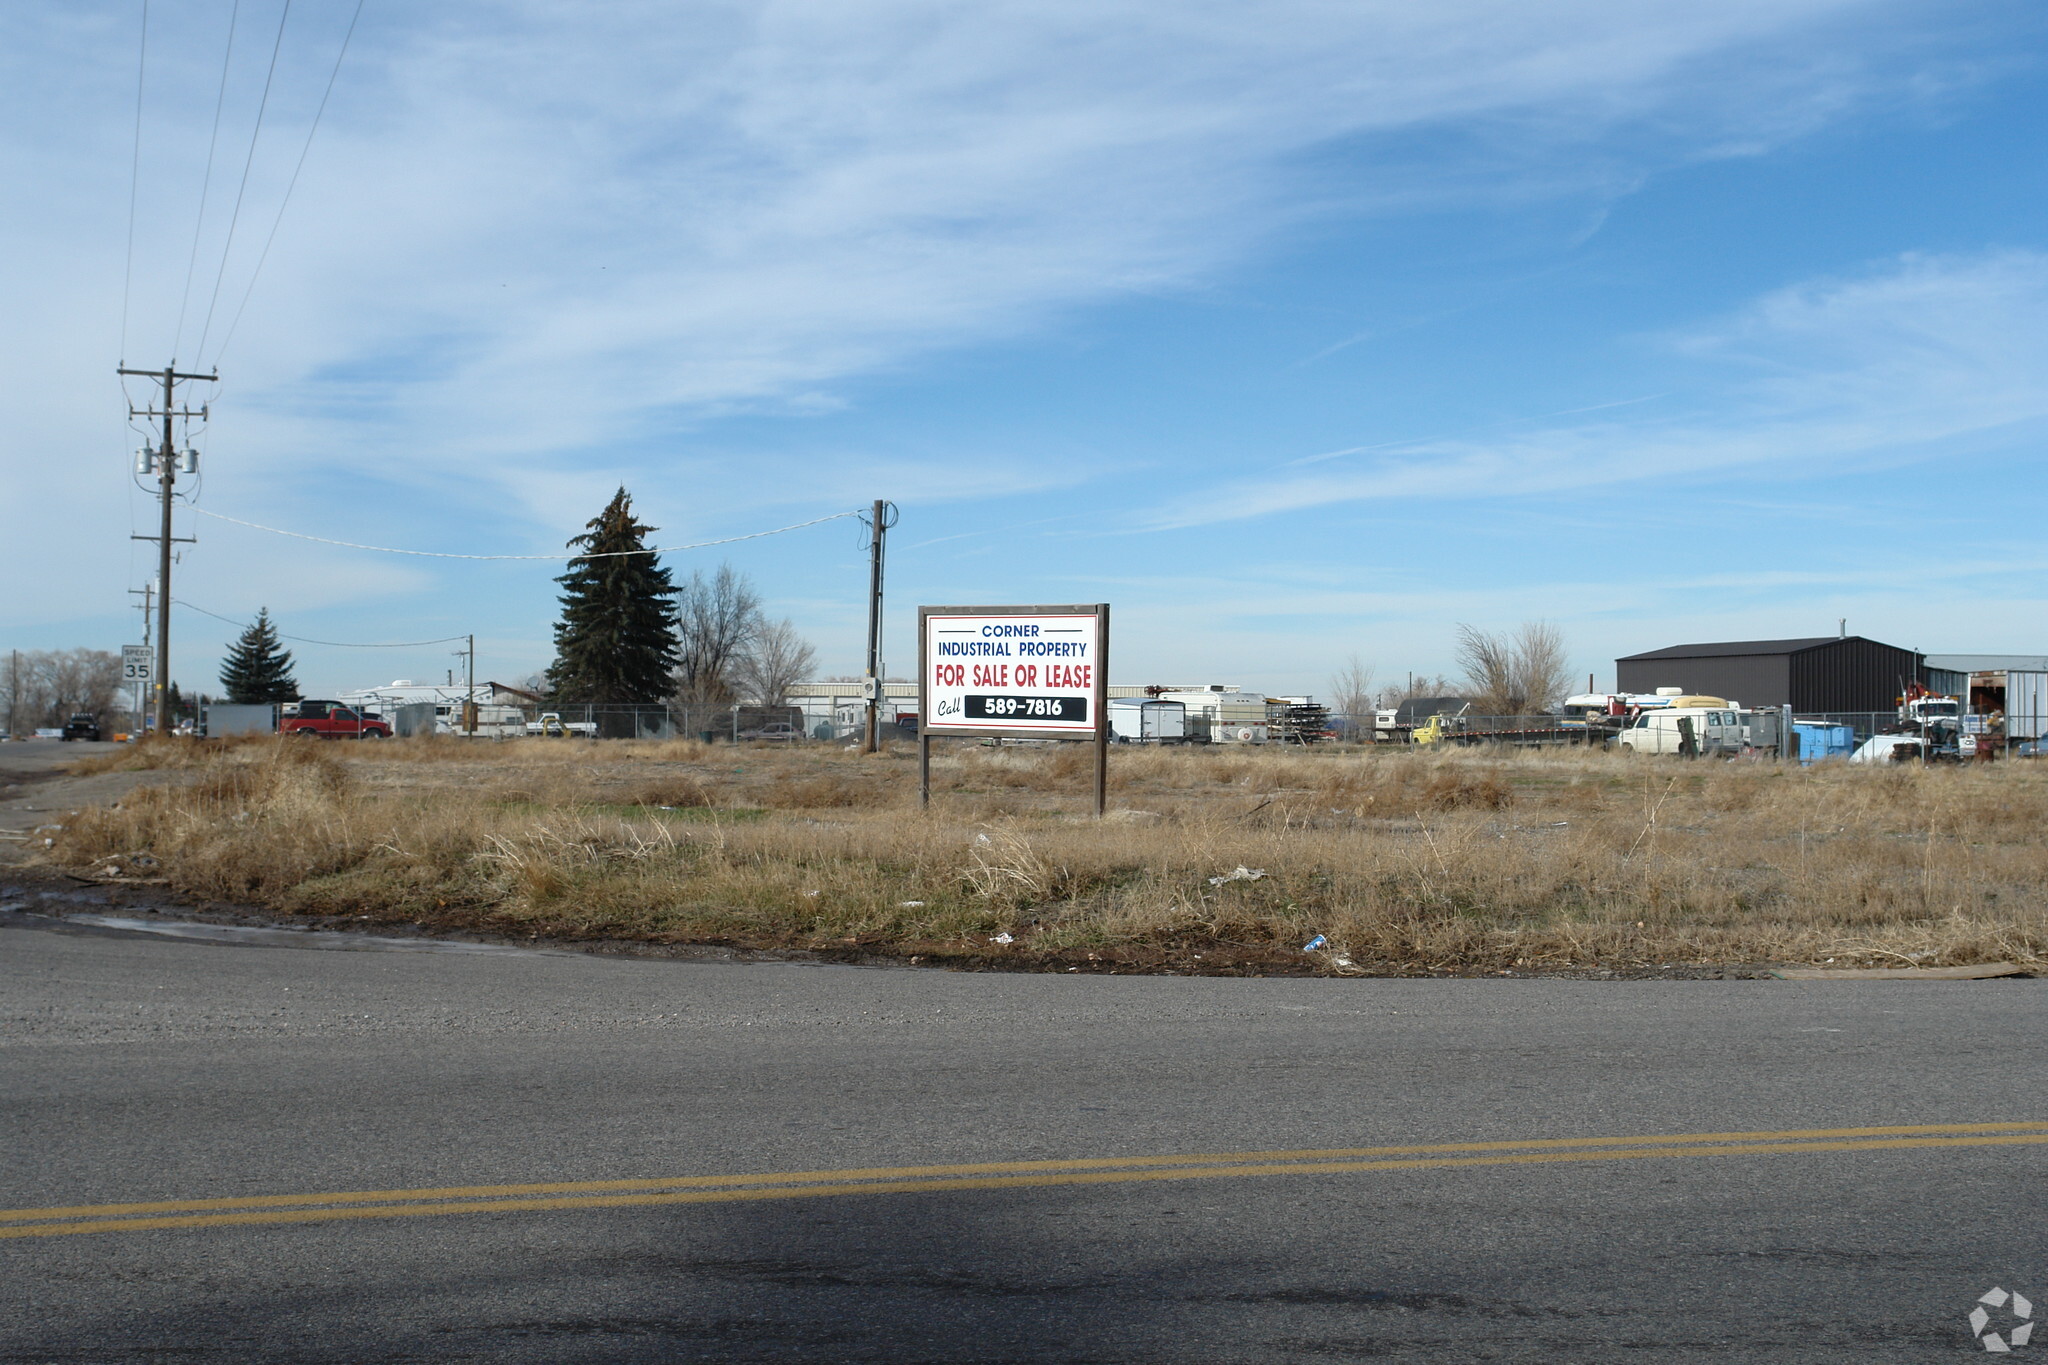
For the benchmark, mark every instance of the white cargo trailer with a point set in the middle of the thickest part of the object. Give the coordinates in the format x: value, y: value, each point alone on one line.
x: 1147, y: 720
x: 224, y: 718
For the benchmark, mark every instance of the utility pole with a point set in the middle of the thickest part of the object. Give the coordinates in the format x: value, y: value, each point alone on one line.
x: 879, y: 521
x: 167, y: 478
x: 147, y: 592
x: 469, y: 699
x: 13, y: 690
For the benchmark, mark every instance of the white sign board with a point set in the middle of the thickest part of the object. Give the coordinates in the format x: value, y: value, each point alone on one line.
x: 138, y: 663
x: 1014, y: 670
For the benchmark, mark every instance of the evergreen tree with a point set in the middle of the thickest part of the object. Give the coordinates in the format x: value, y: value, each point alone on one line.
x: 616, y: 641
x: 258, y: 668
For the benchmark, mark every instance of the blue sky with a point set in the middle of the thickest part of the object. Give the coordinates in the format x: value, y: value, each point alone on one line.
x: 1295, y: 331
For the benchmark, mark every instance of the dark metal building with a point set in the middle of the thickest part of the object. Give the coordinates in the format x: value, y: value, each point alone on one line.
x: 1827, y: 673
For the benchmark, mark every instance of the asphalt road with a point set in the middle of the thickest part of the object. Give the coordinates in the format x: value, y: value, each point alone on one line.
x: 35, y: 788
x: 135, y: 1069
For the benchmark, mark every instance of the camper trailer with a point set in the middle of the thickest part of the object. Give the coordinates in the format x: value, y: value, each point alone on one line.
x: 1222, y: 715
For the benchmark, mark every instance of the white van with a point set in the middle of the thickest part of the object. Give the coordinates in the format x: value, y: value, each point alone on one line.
x: 1714, y: 731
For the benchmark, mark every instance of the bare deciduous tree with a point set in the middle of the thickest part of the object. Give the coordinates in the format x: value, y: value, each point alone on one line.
x: 775, y: 660
x: 718, y: 618
x: 1516, y: 674
x: 43, y: 688
x: 1351, y: 690
x: 1545, y: 667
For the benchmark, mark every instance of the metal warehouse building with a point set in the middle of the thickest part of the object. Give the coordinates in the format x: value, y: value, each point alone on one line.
x: 1827, y: 673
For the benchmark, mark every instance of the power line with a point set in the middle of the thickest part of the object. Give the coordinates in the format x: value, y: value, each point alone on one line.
x: 332, y: 644
x: 286, y: 201
x: 206, y: 181
x: 134, y: 179
x: 610, y: 554
x: 236, y: 216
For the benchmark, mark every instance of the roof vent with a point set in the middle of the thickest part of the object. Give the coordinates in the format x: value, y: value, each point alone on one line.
x: 1670, y: 691
x: 401, y: 682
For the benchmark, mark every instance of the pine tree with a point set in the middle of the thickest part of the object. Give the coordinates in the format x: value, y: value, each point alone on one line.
x: 257, y: 668
x: 616, y: 641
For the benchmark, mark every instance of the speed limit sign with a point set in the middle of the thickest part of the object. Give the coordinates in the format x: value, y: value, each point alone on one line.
x: 138, y: 662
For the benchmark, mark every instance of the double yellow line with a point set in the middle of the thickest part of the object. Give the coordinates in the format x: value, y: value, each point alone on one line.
x: 995, y: 1175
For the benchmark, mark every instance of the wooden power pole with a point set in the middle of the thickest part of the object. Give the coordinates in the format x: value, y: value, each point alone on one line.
x: 880, y: 520
x: 167, y: 478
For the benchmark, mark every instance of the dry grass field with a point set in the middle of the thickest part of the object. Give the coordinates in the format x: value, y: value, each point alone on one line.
x: 1404, y: 860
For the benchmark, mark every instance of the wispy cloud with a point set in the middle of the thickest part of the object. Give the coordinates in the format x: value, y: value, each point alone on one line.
x: 527, y: 231
x: 539, y: 249
x: 1926, y: 356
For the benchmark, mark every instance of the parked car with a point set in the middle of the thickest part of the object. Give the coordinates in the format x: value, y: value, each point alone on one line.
x: 330, y: 720
x: 2033, y: 748
x: 774, y: 729
x: 84, y: 725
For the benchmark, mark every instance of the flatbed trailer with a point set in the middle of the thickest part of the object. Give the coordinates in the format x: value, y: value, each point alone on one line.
x: 1436, y: 732
x: 1556, y: 734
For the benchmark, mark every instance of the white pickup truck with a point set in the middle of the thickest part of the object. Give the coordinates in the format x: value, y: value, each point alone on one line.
x: 552, y: 725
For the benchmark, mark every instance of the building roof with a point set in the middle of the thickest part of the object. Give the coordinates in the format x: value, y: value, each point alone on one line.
x: 1728, y: 649
x: 1422, y: 708
x: 1989, y: 663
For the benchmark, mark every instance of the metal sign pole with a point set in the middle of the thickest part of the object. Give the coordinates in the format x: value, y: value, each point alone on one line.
x: 1101, y: 708
x: 924, y: 714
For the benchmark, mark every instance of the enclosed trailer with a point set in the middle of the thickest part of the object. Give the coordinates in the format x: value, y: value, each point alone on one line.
x: 1147, y: 720
x: 226, y: 718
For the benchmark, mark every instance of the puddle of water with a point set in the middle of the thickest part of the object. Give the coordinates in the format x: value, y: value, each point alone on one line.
x: 284, y: 937
x: 332, y: 940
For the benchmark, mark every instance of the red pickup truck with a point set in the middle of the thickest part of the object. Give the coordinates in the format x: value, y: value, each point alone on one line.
x: 331, y: 720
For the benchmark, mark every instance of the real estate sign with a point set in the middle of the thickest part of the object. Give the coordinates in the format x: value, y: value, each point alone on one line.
x: 1016, y: 671
x: 1013, y: 672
